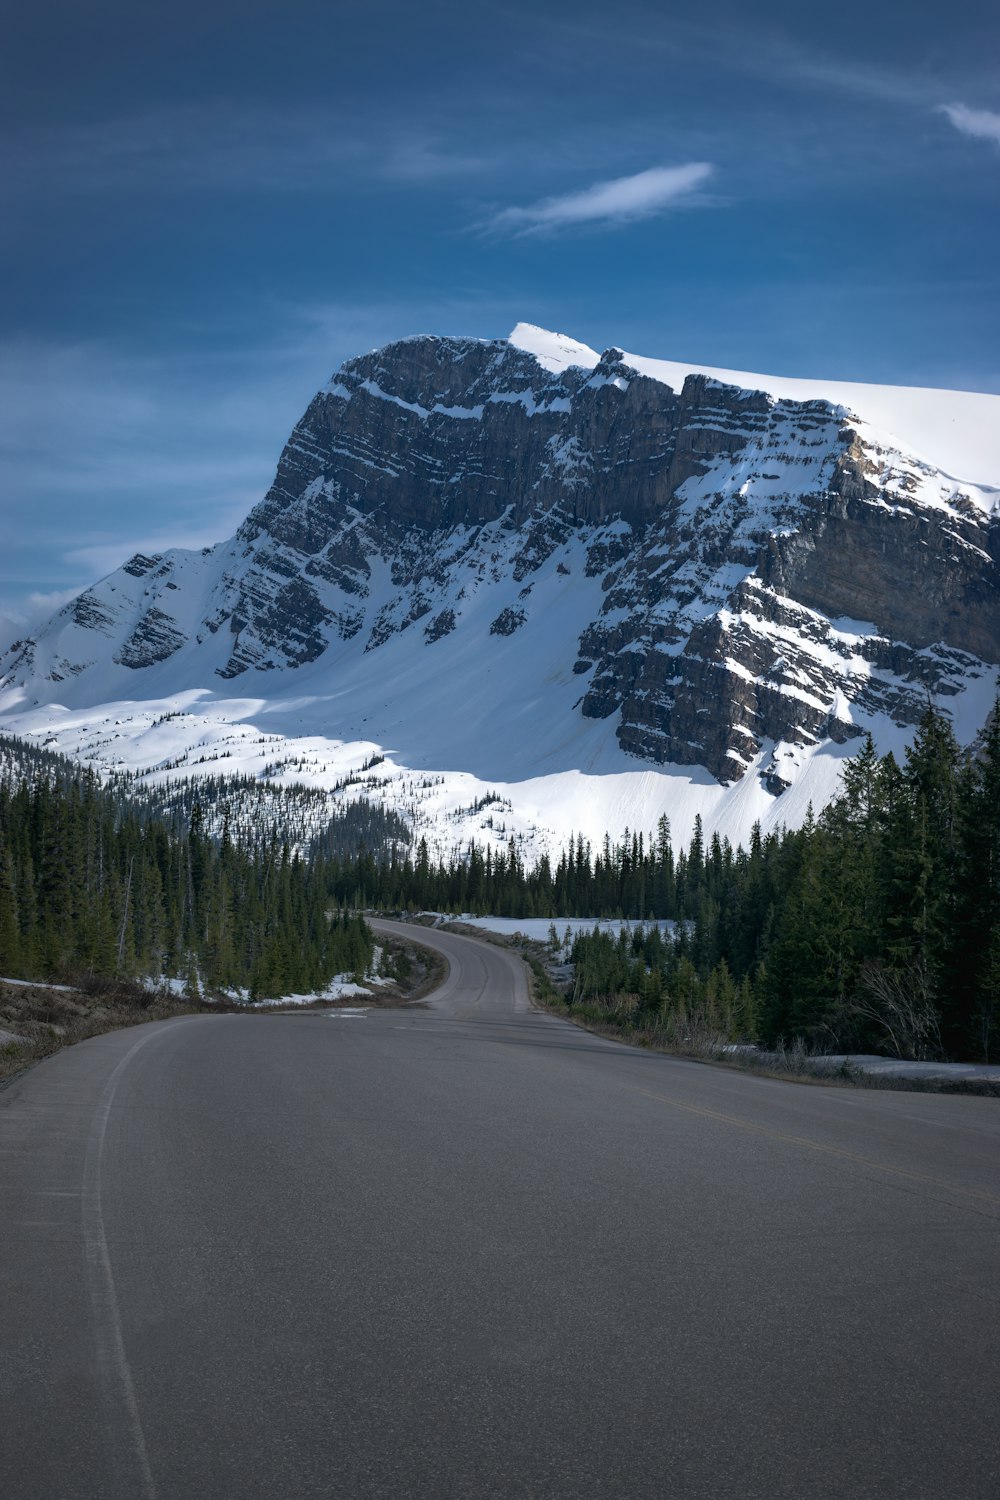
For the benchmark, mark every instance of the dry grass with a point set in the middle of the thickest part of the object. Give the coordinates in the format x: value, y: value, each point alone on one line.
x: 42, y: 1018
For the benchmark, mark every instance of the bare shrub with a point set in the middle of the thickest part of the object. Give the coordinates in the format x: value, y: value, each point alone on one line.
x: 900, y: 1003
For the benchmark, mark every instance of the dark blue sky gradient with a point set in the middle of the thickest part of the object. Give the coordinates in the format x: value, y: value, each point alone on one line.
x: 208, y: 207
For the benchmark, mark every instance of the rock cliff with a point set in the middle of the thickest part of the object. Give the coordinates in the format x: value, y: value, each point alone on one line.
x: 771, y: 571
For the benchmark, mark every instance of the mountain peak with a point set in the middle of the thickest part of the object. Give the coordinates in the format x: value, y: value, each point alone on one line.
x: 556, y: 351
x: 955, y: 432
x: 521, y: 559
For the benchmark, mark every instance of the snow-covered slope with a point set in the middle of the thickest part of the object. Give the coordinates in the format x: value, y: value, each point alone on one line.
x: 518, y: 587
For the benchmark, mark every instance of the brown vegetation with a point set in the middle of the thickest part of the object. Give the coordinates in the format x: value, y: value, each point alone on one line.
x: 37, y: 1019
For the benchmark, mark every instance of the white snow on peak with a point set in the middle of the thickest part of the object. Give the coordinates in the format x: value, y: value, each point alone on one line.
x: 957, y: 432
x: 555, y: 351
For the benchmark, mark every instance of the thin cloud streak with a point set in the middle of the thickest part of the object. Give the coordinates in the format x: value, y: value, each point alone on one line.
x: 34, y: 610
x: 619, y: 201
x: 99, y: 558
x: 224, y: 148
x: 983, y: 124
x: 40, y: 605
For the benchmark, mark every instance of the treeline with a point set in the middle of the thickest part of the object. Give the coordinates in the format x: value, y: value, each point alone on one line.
x: 264, y: 813
x: 876, y: 925
x: 89, y: 881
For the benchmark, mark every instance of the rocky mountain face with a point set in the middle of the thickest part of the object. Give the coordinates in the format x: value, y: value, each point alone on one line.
x: 770, y: 571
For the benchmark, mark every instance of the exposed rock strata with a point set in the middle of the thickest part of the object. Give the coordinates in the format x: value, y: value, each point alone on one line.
x: 764, y: 572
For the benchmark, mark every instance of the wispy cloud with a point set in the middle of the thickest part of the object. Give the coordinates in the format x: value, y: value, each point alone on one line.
x: 223, y: 147
x: 33, y: 609
x: 43, y: 603
x: 429, y: 160
x: 40, y: 604
x: 100, y: 557
x: 984, y: 124
x: 618, y: 201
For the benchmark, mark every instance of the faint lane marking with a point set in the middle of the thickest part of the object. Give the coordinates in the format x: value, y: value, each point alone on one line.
x: 112, y: 1362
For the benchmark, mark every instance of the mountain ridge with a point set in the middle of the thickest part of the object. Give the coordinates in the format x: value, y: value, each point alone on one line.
x: 959, y: 429
x: 698, y: 575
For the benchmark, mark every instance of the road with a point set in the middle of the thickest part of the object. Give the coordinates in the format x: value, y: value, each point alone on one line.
x: 472, y: 1251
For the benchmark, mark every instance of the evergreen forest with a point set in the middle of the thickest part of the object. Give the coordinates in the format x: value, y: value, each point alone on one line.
x: 876, y: 926
x: 92, y: 883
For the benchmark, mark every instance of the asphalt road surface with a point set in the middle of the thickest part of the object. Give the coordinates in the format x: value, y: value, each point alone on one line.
x: 471, y: 1251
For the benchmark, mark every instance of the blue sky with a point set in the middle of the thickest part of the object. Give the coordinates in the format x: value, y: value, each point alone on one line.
x: 208, y: 207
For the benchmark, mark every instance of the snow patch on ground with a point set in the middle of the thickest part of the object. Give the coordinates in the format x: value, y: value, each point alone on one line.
x: 41, y: 984
x: 537, y: 929
x: 340, y: 988
x: 172, y: 986
x: 896, y: 1067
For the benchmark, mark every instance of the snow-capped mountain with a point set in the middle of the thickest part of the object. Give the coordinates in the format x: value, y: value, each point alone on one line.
x: 594, y: 588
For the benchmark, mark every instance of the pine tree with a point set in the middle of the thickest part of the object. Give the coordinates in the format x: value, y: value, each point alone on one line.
x: 974, y: 954
x: 10, y: 929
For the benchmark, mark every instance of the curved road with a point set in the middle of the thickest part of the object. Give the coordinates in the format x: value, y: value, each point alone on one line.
x: 471, y: 1251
